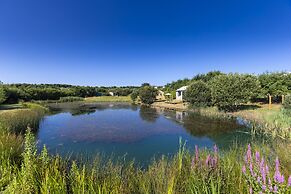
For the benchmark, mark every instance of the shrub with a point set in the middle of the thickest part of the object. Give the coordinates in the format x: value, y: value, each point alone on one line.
x: 134, y: 95
x: 147, y: 94
x: 232, y: 90
x: 2, y: 95
x: 198, y: 94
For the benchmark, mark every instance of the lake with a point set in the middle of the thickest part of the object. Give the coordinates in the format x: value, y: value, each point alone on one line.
x: 130, y: 131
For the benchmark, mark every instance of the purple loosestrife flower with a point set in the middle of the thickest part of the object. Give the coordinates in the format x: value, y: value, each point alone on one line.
x: 263, y: 171
x: 264, y: 187
x: 215, y: 158
x: 278, y: 177
x: 257, y: 157
x: 251, y: 190
x: 193, y: 163
x: 215, y: 149
x: 196, y: 153
x: 267, y: 169
x: 249, y: 154
x: 244, y: 169
x: 251, y: 169
x: 207, y: 160
x: 270, y: 185
x: 277, y: 164
x: 270, y: 188
x: 289, y: 181
x: 275, y: 189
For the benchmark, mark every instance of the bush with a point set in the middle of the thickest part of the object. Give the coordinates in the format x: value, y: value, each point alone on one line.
x: 147, y: 94
x: 287, y: 105
x: 134, y: 95
x: 2, y: 95
x: 198, y: 94
x: 230, y: 91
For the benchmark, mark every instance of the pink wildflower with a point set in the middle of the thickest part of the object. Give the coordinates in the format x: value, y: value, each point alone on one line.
x: 196, y: 153
x: 244, y: 169
x: 257, y: 157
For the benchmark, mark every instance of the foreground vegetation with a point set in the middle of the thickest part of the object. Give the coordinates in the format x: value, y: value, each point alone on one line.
x: 23, y: 170
x: 194, y: 171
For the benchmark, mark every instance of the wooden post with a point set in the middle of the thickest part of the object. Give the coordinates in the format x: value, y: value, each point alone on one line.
x: 283, y: 99
x: 270, y: 101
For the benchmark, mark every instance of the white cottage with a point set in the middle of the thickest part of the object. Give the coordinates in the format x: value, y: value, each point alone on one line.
x: 180, y: 93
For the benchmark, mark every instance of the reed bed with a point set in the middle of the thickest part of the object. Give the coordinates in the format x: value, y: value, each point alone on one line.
x: 16, y: 121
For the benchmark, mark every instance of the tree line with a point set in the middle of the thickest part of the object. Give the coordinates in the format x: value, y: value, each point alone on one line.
x: 13, y: 93
x: 230, y: 91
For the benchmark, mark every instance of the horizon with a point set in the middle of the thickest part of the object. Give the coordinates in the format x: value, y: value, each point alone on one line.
x: 113, y: 43
x: 109, y: 86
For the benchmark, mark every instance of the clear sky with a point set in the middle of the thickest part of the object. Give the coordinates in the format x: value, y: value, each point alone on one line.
x: 128, y: 42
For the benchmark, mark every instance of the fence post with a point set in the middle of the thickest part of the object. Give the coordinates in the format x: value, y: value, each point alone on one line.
x: 270, y: 101
x: 283, y: 99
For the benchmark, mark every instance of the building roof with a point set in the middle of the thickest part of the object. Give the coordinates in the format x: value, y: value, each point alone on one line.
x: 182, y: 88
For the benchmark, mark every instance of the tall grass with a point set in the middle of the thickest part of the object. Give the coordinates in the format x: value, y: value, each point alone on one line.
x: 16, y: 121
x: 200, y: 171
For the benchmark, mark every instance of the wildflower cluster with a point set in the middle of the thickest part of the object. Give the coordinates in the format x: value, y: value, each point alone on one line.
x: 259, y: 176
x: 210, y: 161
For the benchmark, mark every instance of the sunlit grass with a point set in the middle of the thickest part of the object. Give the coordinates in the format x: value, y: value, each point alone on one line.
x: 109, y: 99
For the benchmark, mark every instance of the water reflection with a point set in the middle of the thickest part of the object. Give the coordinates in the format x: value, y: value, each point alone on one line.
x: 121, y: 128
x: 148, y: 114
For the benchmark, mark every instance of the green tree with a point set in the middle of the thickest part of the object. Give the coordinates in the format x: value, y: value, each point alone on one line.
x: 232, y: 90
x: 134, y: 95
x: 207, y: 77
x: 3, y: 94
x: 198, y: 94
x: 275, y: 84
x: 147, y: 94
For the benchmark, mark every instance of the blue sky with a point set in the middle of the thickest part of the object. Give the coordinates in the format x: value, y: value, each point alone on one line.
x: 128, y: 42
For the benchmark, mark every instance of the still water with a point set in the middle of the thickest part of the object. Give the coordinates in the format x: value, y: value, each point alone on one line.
x: 133, y: 132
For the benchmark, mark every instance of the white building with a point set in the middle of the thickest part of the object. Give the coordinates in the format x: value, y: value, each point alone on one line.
x: 180, y: 93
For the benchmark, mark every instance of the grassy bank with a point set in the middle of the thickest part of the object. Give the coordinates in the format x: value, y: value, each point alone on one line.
x: 109, y: 99
x: 17, y: 120
x: 13, y: 124
x: 270, y: 121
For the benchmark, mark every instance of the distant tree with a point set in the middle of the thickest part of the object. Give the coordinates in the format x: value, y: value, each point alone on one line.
x: 147, y: 94
x: 232, y: 90
x: 198, y: 94
x: 2, y: 94
x: 145, y: 84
